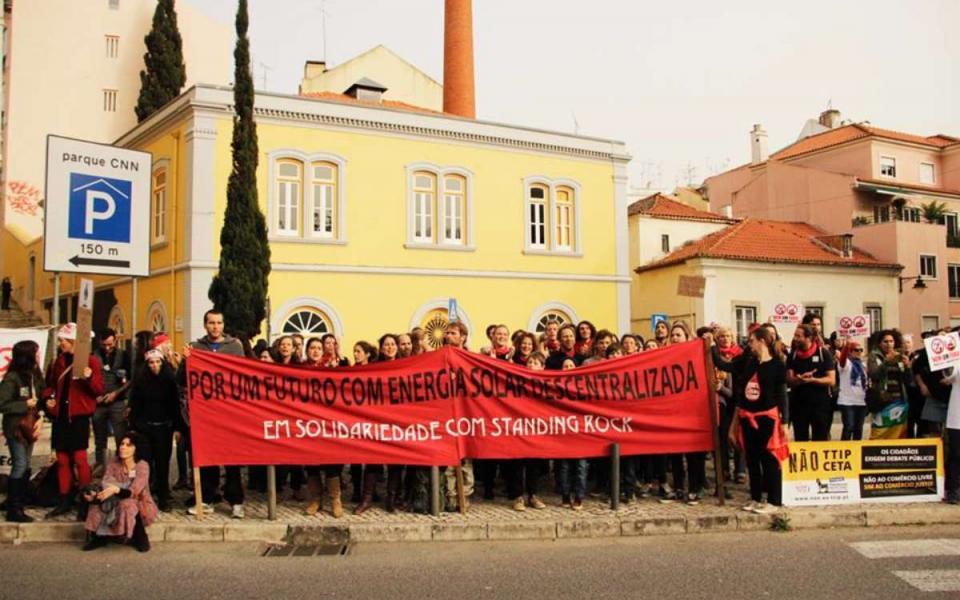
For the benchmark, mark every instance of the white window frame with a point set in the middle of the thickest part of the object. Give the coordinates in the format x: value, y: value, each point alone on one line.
x: 953, y: 268
x: 890, y: 158
x: 158, y: 236
x: 665, y: 243
x: 933, y: 173
x: 950, y: 219
x: 283, y: 312
x: 742, y: 333
x: 935, y: 275
x: 869, y: 309
x: 306, y: 234
x: 536, y: 217
x: 550, y: 245
x: 926, y: 316
x: 438, y: 239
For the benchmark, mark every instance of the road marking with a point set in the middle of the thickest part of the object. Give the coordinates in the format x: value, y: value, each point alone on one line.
x: 941, y: 580
x: 904, y: 548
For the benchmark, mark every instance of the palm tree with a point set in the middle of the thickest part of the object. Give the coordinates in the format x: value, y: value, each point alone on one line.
x: 933, y: 211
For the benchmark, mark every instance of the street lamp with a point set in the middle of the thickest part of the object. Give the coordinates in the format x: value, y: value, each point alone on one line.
x: 918, y: 283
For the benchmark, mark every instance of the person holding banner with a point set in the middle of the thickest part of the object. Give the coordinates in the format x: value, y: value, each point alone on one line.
x: 324, y: 353
x: 456, y: 336
x: 952, y: 481
x: 215, y: 341
x: 567, y: 350
x: 22, y: 385
x: 549, y: 341
x: 71, y: 394
x: 887, y: 400
x: 758, y: 428
x: 853, y: 390
x: 586, y: 336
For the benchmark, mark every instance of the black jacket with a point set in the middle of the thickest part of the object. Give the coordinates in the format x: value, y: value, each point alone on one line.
x: 155, y: 398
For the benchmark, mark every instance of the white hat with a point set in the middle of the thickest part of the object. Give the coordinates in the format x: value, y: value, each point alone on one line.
x: 68, y: 332
x: 153, y: 353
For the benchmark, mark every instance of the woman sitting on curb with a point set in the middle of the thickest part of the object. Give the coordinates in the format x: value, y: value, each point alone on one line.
x: 123, y: 508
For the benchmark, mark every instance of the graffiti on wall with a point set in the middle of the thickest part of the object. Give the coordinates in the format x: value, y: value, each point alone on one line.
x: 23, y: 197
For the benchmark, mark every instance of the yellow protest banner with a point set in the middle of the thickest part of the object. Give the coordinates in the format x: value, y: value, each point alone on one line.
x: 818, y: 473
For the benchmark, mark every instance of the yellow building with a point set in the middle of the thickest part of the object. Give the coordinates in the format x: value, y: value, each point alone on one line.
x: 377, y: 216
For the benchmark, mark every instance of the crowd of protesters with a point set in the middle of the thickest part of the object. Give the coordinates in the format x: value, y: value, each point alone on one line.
x: 765, y: 384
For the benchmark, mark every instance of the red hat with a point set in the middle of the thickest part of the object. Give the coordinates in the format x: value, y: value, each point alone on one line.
x: 159, y: 338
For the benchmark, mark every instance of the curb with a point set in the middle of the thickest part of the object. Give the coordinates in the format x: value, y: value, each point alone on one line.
x: 588, y: 527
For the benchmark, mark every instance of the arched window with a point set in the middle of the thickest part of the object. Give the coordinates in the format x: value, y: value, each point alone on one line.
x: 289, y: 195
x: 537, y: 209
x: 553, y: 316
x: 158, y: 208
x: 307, y: 321
x: 424, y: 201
x: 157, y: 317
x: 116, y: 322
x: 325, y: 196
x: 439, y: 207
x: 454, y: 209
x: 552, y: 216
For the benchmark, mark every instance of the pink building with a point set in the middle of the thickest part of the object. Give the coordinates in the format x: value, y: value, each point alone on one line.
x: 873, y: 183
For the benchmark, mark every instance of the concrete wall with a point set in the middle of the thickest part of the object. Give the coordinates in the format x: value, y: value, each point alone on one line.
x: 720, y: 188
x: 904, y: 243
x: 646, y: 231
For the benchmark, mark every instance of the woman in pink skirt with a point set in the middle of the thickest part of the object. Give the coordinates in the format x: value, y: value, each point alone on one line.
x: 123, y: 507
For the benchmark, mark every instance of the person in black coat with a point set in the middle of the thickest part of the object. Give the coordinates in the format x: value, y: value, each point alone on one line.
x: 155, y: 413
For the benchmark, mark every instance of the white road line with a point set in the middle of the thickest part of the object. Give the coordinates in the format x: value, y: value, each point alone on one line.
x: 941, y: 580
x: 904, y: 548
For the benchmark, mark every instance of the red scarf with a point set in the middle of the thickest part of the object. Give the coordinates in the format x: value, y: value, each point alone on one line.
x: 553, y: 345
x: 502, y: 352
x: 777, y: 445
x: 730, y: 352
x: 805, y: 354
x: 583, y: 347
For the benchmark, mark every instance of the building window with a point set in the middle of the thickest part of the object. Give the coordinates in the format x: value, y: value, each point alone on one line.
x: 665, y: 243
x: 110, y: 100
x: 553, y: 216
x: 537, y: 214
x: 157, y: 317
x: 814, y: 310
x: 953, y: 281
x: 113, y: 45
x: 928, y: 266
x: 306, y: 196
x: 307, y: 321
x: 158, y: 212
x: 744, y: 316
x: 553, y: 316
x: 114, y: 4
x: 930, y: 323
x: 950, y: 220
x: 888, y: 166
x: 875, y: 313
x: 424, y: 199
x: 324, y: 207
x: 927, y: 174
x: 881, y: 214
x: 911, y: 214
x: 289, y: 185
x: 454, y: 209
x: 116, y: 322
x: 439, y: 207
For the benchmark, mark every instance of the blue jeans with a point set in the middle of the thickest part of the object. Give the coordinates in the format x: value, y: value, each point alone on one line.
x: 577, y: 479
x: 852, y: 417
x: 19, y: 457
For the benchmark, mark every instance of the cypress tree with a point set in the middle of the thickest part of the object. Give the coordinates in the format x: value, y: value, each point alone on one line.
x: 239, y: 290
x: 165, y: 73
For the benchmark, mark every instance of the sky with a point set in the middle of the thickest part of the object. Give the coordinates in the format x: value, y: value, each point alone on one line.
x: 680, y: 82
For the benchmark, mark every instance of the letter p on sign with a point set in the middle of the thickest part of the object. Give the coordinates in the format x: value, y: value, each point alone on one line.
x: 99, y: 208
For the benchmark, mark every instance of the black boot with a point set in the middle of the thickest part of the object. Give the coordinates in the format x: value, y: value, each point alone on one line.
x: 394, y: 495
x: 82, y: 508
x: 356, y: 474
x: 94, y: 541
x: 61, y: 509
x: 369, y: 490
x: 139, y: 540
x: 16, y: 500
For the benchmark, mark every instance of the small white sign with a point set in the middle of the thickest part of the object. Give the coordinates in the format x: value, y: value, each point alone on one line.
x: 786, y: 313
x: 96, y: 208
x: 943, y: 350
x: 86, y: 294
x: 853, y: 326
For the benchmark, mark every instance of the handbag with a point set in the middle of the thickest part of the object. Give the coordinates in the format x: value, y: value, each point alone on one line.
x: 26, y: 427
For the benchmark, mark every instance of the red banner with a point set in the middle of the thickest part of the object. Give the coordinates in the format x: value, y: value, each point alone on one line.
x: 440, y: 407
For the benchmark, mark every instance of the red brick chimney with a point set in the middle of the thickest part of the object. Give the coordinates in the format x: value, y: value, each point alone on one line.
x: 458, y: 94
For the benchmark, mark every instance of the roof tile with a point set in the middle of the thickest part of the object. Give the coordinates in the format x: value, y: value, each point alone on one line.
x: 345, y: 99
x: 855, y: 131
x: 758, y: 240
x: 663, y: 206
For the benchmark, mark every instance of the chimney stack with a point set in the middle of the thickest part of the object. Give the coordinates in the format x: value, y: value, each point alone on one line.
x: 830, y: 118
x: 458, y: 84
x: 758, y: 145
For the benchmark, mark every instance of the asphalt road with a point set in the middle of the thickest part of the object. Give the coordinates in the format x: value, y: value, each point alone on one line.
x: 808, y: 564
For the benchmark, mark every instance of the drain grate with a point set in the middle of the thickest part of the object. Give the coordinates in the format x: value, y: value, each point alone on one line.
x: 298, y: 550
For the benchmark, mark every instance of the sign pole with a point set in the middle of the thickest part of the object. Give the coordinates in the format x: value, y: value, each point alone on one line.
x: 615, y: 477
x: 461, y: 497
x: 56, y: 299
x: 712, y: 403
x: 435, y: 490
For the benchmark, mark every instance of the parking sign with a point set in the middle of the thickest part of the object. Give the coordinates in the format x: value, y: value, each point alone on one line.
x: 97, y: 208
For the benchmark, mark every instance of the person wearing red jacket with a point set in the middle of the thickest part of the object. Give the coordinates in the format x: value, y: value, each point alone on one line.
x: 71, y: 401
